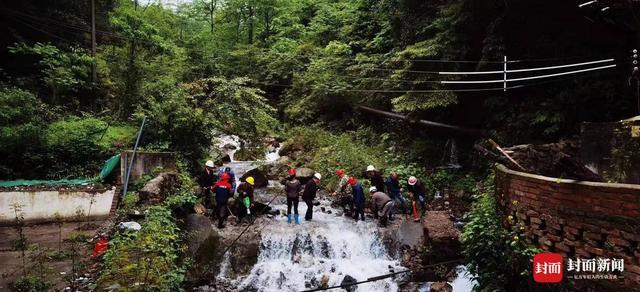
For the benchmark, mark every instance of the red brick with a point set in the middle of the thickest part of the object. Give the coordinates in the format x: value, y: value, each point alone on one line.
x: 571, y: 230
x: 561, y: 247
x: 594, y: 250
x: 554, y: 238
x: 618, y: 241
x: 592, y: 235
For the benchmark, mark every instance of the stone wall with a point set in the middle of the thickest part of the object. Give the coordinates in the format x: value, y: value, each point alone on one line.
x: 42, y: 205
x: 576, y: 219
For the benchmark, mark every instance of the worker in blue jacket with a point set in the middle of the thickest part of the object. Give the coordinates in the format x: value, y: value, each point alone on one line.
x: 395, y: 193
x: 358, y: 198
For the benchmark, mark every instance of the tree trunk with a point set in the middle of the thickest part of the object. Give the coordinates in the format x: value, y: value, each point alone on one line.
x: 250, y: 24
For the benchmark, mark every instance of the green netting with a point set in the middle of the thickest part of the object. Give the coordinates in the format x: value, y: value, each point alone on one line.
x: 107, y: 168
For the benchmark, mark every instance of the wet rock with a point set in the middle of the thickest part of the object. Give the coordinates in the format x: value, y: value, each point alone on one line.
x: 441, y: 287
x: 260, y: 179
x: 314, y: 282
x: 282, y: 279
x: 348, y: 280
x: 155, y: 190
x: 324, y: 281
x: 441, y: 236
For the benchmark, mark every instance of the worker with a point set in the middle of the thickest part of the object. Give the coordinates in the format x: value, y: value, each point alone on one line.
x: 293, y: 188
x: 358, y: 198
x: 375, y: 177
x: 381, y: 204
x: 222, y: 189
x: 343, y: 199
x: 309, y: 194
x: 395, y: 193
x: 245, y: 196
x: 232, y: 176
x: 418, y: 194
x: 206, y: 179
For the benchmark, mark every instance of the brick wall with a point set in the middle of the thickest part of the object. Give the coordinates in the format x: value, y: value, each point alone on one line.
x: 576, y: 219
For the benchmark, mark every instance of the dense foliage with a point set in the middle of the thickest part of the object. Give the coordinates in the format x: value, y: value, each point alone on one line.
x: 152, y: 258
x: 498, y: 255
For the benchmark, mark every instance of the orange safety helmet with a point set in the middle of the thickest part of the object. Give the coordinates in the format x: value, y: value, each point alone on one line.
x: 292, y: 171
x: 340, y: 172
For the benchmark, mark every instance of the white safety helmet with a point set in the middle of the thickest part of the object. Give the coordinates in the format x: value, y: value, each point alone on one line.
x: 373, y: 189
x: 318, y: 176
x: 209, y: 163
x: 412, y: 180
x: 371, y: 168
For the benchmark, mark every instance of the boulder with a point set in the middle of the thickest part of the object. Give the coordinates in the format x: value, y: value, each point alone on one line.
x: 276, y: 169
x: 441, y: 236
x: 304, y: 174
x: 204, y: 247
x: 349, y: 280
x: 441, y: 287
x: 157, y: 188
x: 259, y: 178
x: 291, y: 149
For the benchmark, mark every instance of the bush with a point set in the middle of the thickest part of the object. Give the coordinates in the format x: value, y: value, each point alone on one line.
x: 148, y: 259
x: 498, y: 257
x: 30, y: 284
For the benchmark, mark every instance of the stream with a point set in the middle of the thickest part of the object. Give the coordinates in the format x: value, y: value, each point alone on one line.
x: 328, y: 248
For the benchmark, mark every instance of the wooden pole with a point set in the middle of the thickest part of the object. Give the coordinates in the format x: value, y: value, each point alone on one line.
x: 505, y: 154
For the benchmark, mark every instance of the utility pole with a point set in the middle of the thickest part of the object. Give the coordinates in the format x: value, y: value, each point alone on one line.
x: 94, y: 71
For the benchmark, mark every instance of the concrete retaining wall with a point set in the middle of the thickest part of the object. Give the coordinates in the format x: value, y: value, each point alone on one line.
x: 574, y: 218
x: 146, y: 162
x: 40, y: 206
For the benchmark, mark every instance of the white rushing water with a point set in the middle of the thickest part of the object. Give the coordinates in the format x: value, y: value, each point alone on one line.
x: 329, y: 245
x: 229, y: 144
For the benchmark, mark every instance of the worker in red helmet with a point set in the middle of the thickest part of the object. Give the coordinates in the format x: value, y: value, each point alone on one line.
x: 223, y: 191
x: 293, y: 189
x: 343, y: 198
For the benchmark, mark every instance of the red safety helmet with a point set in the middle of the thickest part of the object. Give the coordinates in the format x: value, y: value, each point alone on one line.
x: 292, y: 171
x: 352, y: 180
x: 340, y: 172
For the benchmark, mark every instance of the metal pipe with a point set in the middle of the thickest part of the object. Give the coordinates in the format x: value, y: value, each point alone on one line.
x: 133, y: 157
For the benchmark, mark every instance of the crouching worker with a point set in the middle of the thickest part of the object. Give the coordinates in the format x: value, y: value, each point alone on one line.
x: 245, y: 194
x: 358, y: 198
x: 382, y: 205
x: 222, y: 189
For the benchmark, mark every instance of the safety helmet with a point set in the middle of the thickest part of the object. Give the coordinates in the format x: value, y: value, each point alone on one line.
x: 225, y: 176
x: 250, y: 180
x: 209, y: 163
x: 352, y: 181
x: 317, y: 175
x: 340, y: 172
x: 373, y: 189
x: 412, y: 180
x: 371, y: 168
x: 292, y: 171
x: 227, y: 169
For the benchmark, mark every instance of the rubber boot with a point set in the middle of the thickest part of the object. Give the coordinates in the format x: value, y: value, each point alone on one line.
x: 297, y: 220
x: 416, y: 217
x: 289, y: 218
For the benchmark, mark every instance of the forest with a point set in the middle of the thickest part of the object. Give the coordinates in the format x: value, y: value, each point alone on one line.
x: 75, y: 85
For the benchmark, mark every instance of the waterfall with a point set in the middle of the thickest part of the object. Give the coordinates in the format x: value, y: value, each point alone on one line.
x: 296, y: 257
x: 229, y: 144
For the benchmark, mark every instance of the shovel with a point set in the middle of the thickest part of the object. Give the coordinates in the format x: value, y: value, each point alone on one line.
x: 232, y: 218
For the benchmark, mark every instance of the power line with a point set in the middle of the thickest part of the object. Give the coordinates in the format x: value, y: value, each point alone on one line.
x: 525, y: 70
x: 524, y: 78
